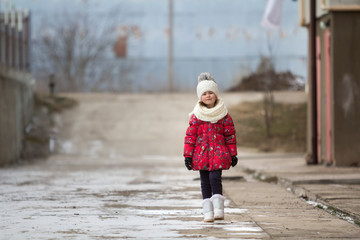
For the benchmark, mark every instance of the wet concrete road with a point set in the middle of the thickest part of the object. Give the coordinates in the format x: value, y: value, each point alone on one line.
x: 72, y: 198
x: 119, y: 174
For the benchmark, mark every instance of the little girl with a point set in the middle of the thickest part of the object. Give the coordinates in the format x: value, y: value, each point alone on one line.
x: 210, y: 145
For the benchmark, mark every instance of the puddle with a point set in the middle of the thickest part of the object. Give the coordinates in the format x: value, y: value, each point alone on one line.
x: 75, y: 204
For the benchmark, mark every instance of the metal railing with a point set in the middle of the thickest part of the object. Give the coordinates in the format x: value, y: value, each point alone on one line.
x: 15, y: 39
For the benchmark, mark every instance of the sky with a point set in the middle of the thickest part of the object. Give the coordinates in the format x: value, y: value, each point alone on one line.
x: 219, y: 36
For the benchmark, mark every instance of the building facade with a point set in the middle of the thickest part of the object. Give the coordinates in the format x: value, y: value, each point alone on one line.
x: 337, y: 81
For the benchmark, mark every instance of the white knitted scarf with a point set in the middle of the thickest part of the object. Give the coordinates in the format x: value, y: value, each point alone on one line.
x: 210, y: 114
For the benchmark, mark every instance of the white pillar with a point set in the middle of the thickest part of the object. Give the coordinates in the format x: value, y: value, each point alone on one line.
x: 6, y: 14
x: 13, y: 24
x: 20, y: 20
x: 26, y: 13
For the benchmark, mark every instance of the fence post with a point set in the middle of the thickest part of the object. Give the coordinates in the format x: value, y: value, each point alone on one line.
x: 27, y: 39
x: 7, y: 45
x: 1, y: 37
x: 13, y: 38
x: 20, y: 42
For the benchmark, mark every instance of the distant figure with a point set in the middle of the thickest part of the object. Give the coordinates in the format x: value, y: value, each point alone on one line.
x: 210, y: 145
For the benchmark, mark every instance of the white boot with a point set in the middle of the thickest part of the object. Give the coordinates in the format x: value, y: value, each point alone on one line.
x: 218, y: 202
x: 208, y: 210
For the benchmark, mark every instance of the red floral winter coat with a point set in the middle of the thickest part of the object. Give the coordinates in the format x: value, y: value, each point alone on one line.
x: 210, y: 145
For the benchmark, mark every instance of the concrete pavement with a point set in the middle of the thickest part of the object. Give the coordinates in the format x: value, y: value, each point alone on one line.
x: 86, y: 198
x: 119, y: 174
x: 334, y: 189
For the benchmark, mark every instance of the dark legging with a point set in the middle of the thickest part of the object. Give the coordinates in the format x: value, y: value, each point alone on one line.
x: 210, y: 183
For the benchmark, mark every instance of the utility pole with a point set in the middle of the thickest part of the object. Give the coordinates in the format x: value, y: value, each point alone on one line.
x: 170, y: 54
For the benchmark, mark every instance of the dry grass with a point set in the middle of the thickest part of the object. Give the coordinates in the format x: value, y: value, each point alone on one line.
x: 54, y: 103
x: 288, y: 127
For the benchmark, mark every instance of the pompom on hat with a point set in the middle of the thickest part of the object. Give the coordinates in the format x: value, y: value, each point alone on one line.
x: 206, y: 83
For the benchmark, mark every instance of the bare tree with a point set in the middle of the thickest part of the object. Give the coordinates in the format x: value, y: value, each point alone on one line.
x: 267, y: 69
x: 78, y: 50
x: 267, y: 72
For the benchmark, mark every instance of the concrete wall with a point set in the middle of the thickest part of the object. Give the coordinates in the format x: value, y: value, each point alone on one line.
x: 16, y: 108
x: 346, y: 87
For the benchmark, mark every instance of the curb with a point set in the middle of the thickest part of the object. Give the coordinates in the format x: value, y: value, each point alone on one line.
x: 306, y: 195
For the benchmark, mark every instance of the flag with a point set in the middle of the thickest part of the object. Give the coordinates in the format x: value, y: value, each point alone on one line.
x: 272, y: 15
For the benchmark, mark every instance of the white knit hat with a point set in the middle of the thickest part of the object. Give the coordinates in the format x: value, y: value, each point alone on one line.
x: 206, y: 83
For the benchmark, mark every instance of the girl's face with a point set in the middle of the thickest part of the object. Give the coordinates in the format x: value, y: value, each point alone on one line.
x: 209, y: 99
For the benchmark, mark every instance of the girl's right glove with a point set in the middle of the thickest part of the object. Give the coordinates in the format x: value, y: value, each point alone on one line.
x: 234, y: 161
x: 188, y: 162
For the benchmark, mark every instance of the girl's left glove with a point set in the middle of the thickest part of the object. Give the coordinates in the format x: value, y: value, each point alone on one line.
x: 234, y: 161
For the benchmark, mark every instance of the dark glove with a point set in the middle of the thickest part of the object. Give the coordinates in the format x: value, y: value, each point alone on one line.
x: 188, y: 162
x: 234, y: 161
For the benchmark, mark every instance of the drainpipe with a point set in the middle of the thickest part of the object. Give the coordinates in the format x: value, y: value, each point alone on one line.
x: 314, y: 116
